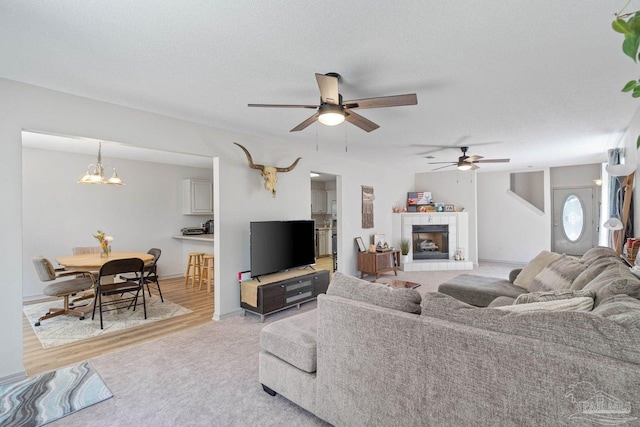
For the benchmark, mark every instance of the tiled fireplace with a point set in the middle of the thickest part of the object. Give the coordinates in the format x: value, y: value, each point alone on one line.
x: 435, y: 238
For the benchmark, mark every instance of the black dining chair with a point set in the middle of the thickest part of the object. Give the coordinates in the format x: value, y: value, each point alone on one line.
x: 150, y: 272
x: 119, y: 294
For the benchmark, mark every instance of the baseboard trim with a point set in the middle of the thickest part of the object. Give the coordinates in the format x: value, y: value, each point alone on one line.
x: 13, y: 378
x: 499, y: 261
x: 238, y: 312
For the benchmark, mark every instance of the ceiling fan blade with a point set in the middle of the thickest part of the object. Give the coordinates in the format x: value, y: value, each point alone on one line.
x: 474, y: 167
x: 441, y: 163
x: 442, y: 167
x: 493, y: 161
x: 328, y: 88
x: 356, y: 119
x: 383, y: 101
x: 473, y: 158
x: 282, y: 106
x: 305, y: 123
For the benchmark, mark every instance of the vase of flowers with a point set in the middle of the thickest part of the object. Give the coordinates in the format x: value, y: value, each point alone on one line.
x: 105, y: 243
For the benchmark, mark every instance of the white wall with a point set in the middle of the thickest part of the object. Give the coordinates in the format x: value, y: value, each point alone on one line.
x: 239, y: 193
x: 509, y: 230
x: 457, y: 188
x: 59, y: 214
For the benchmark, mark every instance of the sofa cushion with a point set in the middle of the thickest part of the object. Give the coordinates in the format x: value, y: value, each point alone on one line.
x: 560, y: 274
x: 479, y: 290
x: 502, y: 301
x: 553, y: 296
x: 593, y: 270
x: 597, y: 253
x: 578, y: 329
x: 614, y: 280
x: 574, y: 304
x: 622, y: 309
x: 293, y: 340
x: 535, y: 266
x: 402, y: 299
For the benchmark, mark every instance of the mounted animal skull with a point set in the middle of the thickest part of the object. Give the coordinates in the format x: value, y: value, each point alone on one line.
x: 268, y: 172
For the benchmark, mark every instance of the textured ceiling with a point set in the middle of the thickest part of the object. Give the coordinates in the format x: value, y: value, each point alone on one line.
x: 542, y: 79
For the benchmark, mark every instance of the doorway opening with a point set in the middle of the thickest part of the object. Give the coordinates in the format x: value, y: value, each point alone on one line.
x: 324, y: 211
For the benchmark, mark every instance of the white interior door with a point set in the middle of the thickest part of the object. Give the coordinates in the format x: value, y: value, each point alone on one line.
x: 574, y: 220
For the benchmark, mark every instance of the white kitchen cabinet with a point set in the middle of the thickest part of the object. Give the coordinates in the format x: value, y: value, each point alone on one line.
x: 318, y: 202
x: 323, y: 236
x: 197, y: 197
x: 329, y: 248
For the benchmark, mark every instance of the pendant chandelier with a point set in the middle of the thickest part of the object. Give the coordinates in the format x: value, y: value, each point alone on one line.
x: 95, y: 172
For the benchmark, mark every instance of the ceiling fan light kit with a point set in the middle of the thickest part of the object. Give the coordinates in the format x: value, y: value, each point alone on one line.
x: 332, y: 111
x: 464, y: 166
x: 331, y: 115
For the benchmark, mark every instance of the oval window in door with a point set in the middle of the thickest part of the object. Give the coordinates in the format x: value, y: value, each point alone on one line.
x: 573, y: 218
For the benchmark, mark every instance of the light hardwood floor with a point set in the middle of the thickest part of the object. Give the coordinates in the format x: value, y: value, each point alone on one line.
x: 38, y: 360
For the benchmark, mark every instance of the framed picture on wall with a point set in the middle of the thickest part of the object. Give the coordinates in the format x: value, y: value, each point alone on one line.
x: 367, y: 206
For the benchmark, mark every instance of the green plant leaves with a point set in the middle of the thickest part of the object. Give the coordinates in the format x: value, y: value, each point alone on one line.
x: 628, y: 24
x: 631, y: 30
x: 621, y: 26
x: 630, y: 86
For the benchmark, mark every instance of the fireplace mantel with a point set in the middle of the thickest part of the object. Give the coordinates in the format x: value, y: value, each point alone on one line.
x: 458, y: 239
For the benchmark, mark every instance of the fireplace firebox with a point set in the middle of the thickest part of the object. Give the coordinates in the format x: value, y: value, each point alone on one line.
x: 430, y: 241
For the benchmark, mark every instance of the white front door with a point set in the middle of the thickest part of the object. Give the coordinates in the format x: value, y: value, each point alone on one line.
x: 574, y: 220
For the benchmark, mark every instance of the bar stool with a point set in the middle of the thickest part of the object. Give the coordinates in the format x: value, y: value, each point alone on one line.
x: 207, y: 272
x: 194, y: 268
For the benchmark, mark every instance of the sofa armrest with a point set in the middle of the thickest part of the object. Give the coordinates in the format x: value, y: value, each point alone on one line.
x: 513, y: 274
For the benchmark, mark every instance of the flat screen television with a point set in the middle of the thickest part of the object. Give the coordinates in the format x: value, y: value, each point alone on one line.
x: 281, y: 245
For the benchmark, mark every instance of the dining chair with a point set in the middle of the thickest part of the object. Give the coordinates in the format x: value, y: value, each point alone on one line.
x: 86, y: 250
x: 150, y: 272
x: 119, y: 294
x: 78, y: 250
x: 82, y: 281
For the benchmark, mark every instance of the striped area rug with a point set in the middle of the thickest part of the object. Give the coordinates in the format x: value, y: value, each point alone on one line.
x: 47, y: 397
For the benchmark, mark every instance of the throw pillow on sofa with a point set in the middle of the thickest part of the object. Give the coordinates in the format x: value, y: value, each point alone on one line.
x: 597, y: 253
x: 402, y: 299
x: 560, y: 274
x: 553, y: 296
x: 571, y: 304
x: 535, y: 266
x: 616, y: 279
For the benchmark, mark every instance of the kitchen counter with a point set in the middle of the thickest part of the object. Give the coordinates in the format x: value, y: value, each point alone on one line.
x: 196, y: 237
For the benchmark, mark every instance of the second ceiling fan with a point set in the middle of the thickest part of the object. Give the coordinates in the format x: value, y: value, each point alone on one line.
x: 333, y: 110
x: 468, y: 162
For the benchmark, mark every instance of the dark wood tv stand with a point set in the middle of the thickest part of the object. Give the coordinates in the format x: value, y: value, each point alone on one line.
x: 278, y: 291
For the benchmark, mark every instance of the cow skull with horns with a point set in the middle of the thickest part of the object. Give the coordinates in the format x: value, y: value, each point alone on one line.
x: 268, y: 172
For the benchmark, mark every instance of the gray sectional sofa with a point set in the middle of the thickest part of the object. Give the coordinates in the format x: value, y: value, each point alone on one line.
x: 373, y: 355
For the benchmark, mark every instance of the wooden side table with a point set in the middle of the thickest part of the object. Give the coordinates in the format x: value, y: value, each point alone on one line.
x: 378, y: 262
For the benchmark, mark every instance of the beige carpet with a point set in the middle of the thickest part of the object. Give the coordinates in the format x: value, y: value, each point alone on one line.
x: 62, y: 330
x: 208, y: 375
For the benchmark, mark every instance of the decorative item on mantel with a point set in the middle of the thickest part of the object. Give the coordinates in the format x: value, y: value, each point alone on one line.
x: 105, y: 243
